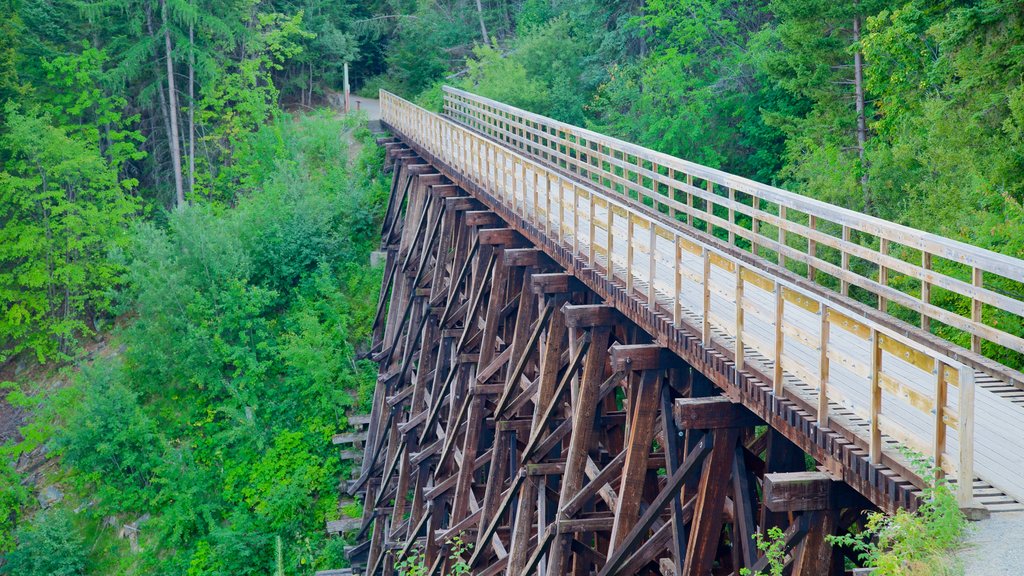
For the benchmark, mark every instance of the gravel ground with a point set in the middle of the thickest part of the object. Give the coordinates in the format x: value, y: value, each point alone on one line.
x: 996, y: 546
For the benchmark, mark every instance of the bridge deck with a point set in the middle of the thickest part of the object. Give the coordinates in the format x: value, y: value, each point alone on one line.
x: 882, y: 384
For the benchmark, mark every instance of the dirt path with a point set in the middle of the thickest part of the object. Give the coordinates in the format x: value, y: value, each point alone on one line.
x: 369, y: 105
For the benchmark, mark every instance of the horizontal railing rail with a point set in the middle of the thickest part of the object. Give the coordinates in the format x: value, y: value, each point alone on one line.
x: 930, y: 277
x: 856, y: 363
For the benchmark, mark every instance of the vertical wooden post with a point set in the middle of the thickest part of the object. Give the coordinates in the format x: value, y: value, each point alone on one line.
x: 643, y: 410
x: 689, y: 200
x: 629, y: 254
x: 782, y: 236
x: 732, y: 217
x: 977, y: 278
x: 926, y: 291
x: 755, y: 224
x: 610, y: 240
x: 740, y: 352
x: 677, y: 307
x: 939, y: 444
x: 965, y: 431
x: 875, y: 446
x: 812, y: 247
x: 780, y: 340
x: 844, y: 286
x: 345, y: 84
x: 706, y: 320
x: 883, y: 273
x: 593, y: 232
x: 823, y: 368
x: 652, y: 294
x: 706, y: 526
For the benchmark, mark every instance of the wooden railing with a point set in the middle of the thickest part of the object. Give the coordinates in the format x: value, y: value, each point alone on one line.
x: 861, y: 364
x: 835, y: 247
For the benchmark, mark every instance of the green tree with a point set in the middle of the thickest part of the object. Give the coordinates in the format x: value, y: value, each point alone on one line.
x: 48, y: 546
x: 62, y: 209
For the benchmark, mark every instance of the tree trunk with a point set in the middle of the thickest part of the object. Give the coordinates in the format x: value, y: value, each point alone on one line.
x: 480, y: 15
x: 179, y: 189
x: 161, y: 98
x: 862, y: 130
x: 191, y: 111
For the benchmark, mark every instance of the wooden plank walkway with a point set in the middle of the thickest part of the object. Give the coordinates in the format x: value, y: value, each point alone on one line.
x: 886, y: 384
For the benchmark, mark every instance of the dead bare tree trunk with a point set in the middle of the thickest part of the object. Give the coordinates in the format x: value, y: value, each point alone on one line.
x: 862, y: 130
x: 191, y: 110
x: 480, y: 15
x: 161, y: 97
x: 179, y: 189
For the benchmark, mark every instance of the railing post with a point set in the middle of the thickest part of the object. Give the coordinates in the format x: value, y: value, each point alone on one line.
x: 977, y: 278
x: 939, y: 444
x: 575, y: 220
x: 965, y: 431
x: 883, y: 273
x: 706, y: 320
x: 629, y: 254
x: 875, y: 446
x: 677, y: 307
x: 926, y: 290
x: 592, y: 232
x: 652, y: 295
x: 610, y: 240
x: 740, y: 351
x: 844, y: 263
x: 823, y: 367
x: 778, y: 375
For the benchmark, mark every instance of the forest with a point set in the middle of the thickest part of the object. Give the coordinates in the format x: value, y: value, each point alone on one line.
x: 186, y: 220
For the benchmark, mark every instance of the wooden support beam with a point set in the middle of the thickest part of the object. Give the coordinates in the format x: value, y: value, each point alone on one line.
x: 502, y: 237
x: 528, y: 257
x: 446, y: 191
x: 712, y: 412
x: 643, y: 414
x: 706, y: 528
x: 556, y: 283
x: 481, y: 218
x: 591, y: 315
x: 639, y: 357
x: 690, y: 467
x: 797, y: 491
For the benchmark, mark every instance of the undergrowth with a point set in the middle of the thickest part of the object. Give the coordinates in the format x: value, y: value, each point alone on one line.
x: 907, y: 543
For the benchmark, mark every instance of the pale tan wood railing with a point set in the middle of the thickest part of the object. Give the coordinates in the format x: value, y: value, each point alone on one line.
x: 835, y: 247
x: 810, y: 345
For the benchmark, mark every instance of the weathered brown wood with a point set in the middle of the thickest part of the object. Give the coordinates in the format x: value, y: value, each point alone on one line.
x: 589, y: 315
x: 707, y: 512
x: 481, y: 218
x: 797, y: 491
x: 502, y: 237
x: 712, y: 412
x: 814, y: 556
x: 556, y: 283
x: 528, y: 257
x: 641, y: 357
x: 690, y: 466
x: 643, y: 413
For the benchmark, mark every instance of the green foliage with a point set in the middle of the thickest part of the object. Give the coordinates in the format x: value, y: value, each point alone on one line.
x: 63, y: 208
x: 459, y: 547
x: 908, y: 543
x: 112, y: 441
x: 49, y: 546
x: 773, y: 545
x: 13, y: 498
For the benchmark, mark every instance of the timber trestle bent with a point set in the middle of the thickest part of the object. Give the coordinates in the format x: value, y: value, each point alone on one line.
x: 566, y: 384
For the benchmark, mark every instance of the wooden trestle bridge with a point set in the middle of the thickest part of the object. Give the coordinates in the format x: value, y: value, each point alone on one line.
x: 599, y: 359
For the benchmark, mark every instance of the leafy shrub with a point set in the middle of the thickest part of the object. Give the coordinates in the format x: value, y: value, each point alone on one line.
x: 49, y: 546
